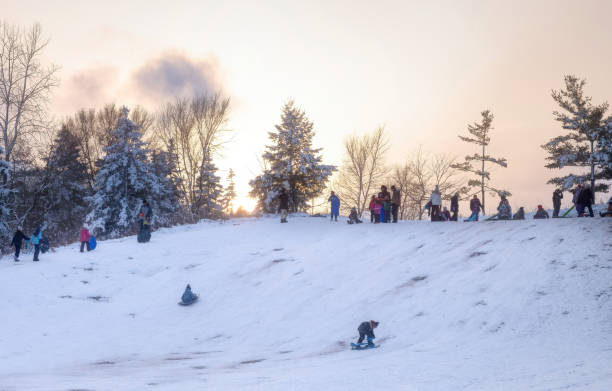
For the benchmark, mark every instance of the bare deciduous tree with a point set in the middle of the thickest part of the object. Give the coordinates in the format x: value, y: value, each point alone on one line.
x: 192, y: 130
x: 25, y: 84
x: 363, y: 169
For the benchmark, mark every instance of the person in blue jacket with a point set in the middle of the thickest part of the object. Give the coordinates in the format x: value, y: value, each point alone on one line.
x: 36, y: 238
x: 335, y: 206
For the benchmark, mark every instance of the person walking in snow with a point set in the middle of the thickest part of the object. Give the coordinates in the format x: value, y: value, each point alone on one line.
x: 436, y: 203
x: 366, y: 329
x: 372, y: 208
x: 454, y: 206
x: 35, y: 240
x: 335, y: 206
x: 541, y: 213
x: 585, y: 200
x: 557, y: 197
x: 283, y: 205
x: 396, y: 200
x: 475, y: 207
x: 504, y: 210
x: 520, y: 215
x: 18, y: 238
x: 85, y: 238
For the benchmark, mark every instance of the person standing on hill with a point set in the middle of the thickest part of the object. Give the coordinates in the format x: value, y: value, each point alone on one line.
x: 384, y: 199
x: 436, y: 203
x: 372, y: 208
x: 36, y: 238
x: 85, y: 238
x: 335, y: 206
x: 557, y: 197
x: 283, y: 204
x: 396, y: 200
x: 454, y: 206
x: 475, y: 207
x: 144, y: 218
x: 576, y: 196
x: 18, y: 238
x: 585, y: 200
x: 520, y: 215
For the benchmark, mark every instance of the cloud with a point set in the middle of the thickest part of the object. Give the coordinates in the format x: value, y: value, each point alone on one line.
x: 91, y: 87
x: 175, y: 74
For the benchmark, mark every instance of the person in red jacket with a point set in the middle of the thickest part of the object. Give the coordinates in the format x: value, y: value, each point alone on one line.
x: 372, y: 207
x: 84, y: 238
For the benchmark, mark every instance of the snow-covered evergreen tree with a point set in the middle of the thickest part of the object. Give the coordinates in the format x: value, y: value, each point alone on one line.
x: 229, y: 194
x: 292, y: 163
x: 166, y: 199
x: 480, y: 132
x: 587, y: 142
x: 125, y: 178
x: 65, y: 192
x: 5, y: 212
x: 210, y: 190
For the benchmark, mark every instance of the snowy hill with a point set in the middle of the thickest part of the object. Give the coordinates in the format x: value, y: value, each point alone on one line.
x: 515, y: 305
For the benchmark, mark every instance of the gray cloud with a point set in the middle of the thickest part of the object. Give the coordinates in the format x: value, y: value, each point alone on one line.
x: 174, y: 74
x: 91, y: 87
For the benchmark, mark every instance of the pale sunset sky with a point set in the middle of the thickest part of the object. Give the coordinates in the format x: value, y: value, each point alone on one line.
x: 424, y: 69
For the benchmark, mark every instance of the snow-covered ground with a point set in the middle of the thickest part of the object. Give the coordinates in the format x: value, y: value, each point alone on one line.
x: 507, y: 305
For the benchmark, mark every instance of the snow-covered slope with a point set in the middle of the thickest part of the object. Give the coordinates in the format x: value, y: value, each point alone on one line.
x: 515, y: 305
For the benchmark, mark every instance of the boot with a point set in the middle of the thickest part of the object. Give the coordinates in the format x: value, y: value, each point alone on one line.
x: 16, y: 259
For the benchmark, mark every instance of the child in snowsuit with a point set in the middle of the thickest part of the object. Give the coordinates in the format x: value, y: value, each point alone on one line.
x: 520, y: 215
x: 372, y: 207
x: 541, y: 213
x: 445, y: 215
x: 188, y: 295
x: 366, y: 329
x: 353, y: 218
x: 335, y: 206
x: 608, y: 212
x: 84, y: 238
x: 17, y: 239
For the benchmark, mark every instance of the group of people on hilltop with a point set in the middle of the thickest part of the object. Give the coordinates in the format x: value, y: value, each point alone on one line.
x: 384, y: 206
x: 437, y: 212
x: 41, y: 243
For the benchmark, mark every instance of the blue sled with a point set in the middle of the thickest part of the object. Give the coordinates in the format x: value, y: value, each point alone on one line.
x: 362, y: 346
x: 189, y: 303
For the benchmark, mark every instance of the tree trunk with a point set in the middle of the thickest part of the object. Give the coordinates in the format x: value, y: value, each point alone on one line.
x: 482, y: 180
x: 592, y: 170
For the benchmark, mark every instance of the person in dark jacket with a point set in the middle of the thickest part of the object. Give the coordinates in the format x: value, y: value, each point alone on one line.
x: 520, y: 215
x: 541, y: 213
x: 335, y: 206
x: 504, y: 209
x: 585, y: 200
x: 283, y: 204
x: 475, y: 207
x: 384, y: 199
x: 557, y: 197
x: 353, y: 217
x: 145, y: 214
x: 366, y: 329
x: 18, y: 238
x: 454, y: 206
x: 445, y: 215
x: 396, y: 200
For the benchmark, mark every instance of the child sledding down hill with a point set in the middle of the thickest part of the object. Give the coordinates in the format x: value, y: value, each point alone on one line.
x: 366, y: 329
x: 353, y: 218
x: 188, y: 296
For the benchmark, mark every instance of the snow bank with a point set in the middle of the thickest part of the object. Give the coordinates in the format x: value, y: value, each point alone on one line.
x: 503, y: 305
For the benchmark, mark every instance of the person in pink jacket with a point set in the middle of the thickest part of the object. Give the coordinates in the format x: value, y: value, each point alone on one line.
x: 84, y: 238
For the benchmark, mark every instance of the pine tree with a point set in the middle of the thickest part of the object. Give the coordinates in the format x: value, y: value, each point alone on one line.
x: 229, y: 195
x: 166, y: 197
x: 125, y: 178
x: 210, y: 190
x: 480, y: 132
x: 293, y: 164
x: 5, y: 211
x: 587, y: 143
x: 65, y: 192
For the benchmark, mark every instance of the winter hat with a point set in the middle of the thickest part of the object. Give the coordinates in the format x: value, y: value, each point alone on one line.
x: 539, y: 206
x: 374, y: 323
